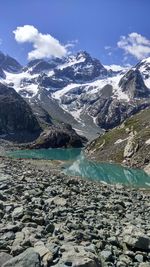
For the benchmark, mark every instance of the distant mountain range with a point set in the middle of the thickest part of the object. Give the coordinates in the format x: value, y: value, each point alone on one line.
x: 79, y: 90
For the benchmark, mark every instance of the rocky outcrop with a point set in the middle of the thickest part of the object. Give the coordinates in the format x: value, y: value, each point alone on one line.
x: 2, y: 74
x: 15, y: 114
x: 9, y: 64
x: 61, y: 135
x: 111, y: 112
x: 131, y: 146
x: 132, y: 83
x: 40, y: 65
x: 48, y: 219
x: 128, y: 144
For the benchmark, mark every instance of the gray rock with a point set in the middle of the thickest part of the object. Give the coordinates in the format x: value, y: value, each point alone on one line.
x: 144, y: 264
x: 4, y: 257
x: 107, y: 255
x: 50, y: 228
x: 139, y: 257
x: 28, y: 258
x: 76, y: 256
x: 134, y: 238
x: 8, y: 236
x: 17, y: 213
x: 131, y: 146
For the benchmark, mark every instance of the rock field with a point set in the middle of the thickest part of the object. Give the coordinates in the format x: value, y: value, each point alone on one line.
x: 48, y: 219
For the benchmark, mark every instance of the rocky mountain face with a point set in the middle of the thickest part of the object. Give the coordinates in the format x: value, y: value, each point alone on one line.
x: 15, y: 115
x: 18, y: 123
x: 9, y: 64
x: 132, y: 83
x: 128, y: 143
x: 80, y: 91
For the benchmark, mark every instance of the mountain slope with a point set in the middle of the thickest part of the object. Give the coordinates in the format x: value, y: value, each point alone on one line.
x: 128, y: 143
x: 16, y: 116
x: 81, y: 91
x: 9, y: 64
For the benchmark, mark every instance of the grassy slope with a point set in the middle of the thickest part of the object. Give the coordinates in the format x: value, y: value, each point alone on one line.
x: 105, y: 149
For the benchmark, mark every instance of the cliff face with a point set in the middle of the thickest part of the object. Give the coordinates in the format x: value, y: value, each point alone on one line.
x: 15, y: 114
x: 128, y: 144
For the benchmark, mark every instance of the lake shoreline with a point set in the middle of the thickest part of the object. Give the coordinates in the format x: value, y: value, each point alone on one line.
x: 75, y: 163
x: 60, y: 219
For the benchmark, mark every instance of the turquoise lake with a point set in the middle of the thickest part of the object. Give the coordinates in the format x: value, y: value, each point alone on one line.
x: 77, y: 165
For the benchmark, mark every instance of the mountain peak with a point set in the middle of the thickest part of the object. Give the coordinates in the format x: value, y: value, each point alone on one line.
x: 9, y: 64
x: 83, y: 54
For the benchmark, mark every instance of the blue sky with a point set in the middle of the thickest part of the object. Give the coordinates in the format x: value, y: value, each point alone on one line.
x: 92, y: 25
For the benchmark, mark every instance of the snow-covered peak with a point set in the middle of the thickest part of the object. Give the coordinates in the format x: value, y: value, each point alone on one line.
x: 146, y: 60
x: 144, y: 68
x: 72, y: 60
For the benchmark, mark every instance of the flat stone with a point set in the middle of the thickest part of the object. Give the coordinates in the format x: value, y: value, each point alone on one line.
x: 41, y: 250
x: 17, y: 213
x: 139, y: 257
x: 144, y: 264
x: 76, y: 256
x: 28, y: 258
x: 4, y: 257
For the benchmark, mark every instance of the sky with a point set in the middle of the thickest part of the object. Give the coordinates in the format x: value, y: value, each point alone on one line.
x: 114, y: 31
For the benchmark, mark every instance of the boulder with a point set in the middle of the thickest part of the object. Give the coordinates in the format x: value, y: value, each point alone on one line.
x: 29, y: 258
x: 4, y: 257
x: 136, y: 239
x: 77, y: 256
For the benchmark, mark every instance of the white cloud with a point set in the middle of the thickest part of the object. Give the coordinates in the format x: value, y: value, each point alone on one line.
x: 107, y: 47
x: 135, y: 44
x: 45, y: 46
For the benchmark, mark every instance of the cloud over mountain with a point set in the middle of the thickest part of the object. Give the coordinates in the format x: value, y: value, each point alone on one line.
x: 45, y: 46
x: 135, y: 44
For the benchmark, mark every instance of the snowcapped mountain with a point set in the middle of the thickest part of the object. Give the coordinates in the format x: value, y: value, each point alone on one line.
x: 79, y: 90
x: 144, y: 68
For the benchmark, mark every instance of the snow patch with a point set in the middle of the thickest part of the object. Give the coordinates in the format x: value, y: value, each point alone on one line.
x: 58, y: 94
x: 72, y: 61
x: 114, y: 67
x: 17, y: 82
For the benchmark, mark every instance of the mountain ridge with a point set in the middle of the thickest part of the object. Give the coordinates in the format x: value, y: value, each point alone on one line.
x: 90, y: 95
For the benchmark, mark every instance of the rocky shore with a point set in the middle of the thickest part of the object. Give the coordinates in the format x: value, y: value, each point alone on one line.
x: 48, y: 219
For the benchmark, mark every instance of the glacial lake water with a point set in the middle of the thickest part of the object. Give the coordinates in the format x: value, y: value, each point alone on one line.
x: 77, y: 165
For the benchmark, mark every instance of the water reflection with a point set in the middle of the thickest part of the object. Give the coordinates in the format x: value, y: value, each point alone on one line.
x: 78, y: 165
x: 108, y: 173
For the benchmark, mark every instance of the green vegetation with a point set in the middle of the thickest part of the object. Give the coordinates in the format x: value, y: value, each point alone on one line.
x: 110, y: 146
